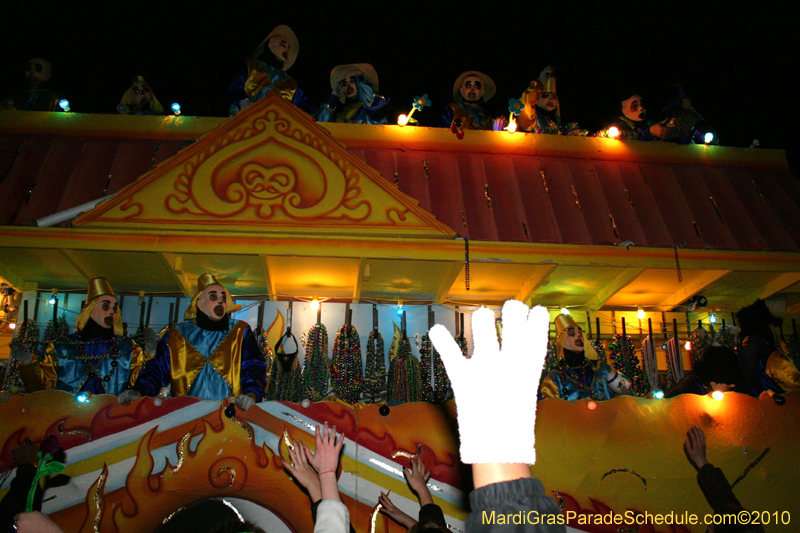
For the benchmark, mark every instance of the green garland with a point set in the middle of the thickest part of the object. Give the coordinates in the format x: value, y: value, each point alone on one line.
x: 266, y: 352
x: 618, y: 362
x: 404, y: 375
x: 431, y: 363
x: 725, y: 337
x: 56, y: 330
x: 316, y: 371
x: 700, y: 340
x: 375, y: 375
x: 346, y: 376
x: 462, y: 343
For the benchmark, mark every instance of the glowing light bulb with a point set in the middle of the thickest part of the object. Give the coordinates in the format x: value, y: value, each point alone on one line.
x: 712, y: 318
x: 83, y: 397
x: 640, y: 313
x: 717, y: 395
x: 688, y: 345
x: 708, y: 137
x: 121, y: 109
x: 53, y: 297
x: 400, y: 309
x: 12, y: 325
x: 176, y: 108
x: 564, y: 311
x: 658, y: 394
x: 613, y: 132
x: 402, y: 120
x: 315, y: 304
x: 592, y: 405
x: 512, y: 127
x: 64, y: 104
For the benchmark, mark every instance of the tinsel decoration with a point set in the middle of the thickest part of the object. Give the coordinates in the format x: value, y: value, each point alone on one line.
x: 674, y: 364
x: 375, y: 375
x: 56, y: 330
x: 650, y: 363
x: 700, y: 340
x: 431, y: 363
x: 316, y: 371
x: 28, y: 336
x: 346, y: 376
x: 266, y: 352
x: 624, y: 356
x: 404, y: 374
x: 285, y: 384
x: 726, y: 336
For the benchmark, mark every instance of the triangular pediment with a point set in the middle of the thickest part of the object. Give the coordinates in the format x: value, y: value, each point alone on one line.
x: 270, y: 168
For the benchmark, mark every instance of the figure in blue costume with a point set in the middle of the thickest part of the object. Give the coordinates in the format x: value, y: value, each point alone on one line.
x: 355, y: 98
x: 139, y: 99
x: 579, y: 374
x: 765, y: 367
x: 467, y: 112
x: 266, y: 71
x: 633, y: 124
x: 96, y: 358
x: 717, y: 370
x: 39, y: 96
x: 209, y: 355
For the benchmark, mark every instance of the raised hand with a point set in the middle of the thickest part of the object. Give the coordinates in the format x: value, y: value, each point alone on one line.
x: 302, y: 471
x: 695, y: 446
x: 390, y: 509
x: 417, y: 478
x: 495, y: 390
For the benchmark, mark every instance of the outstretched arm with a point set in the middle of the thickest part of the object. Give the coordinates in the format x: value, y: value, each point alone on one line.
x: 492, y: 388
x: 417, y: 478
x: 303, y: 472
x: 325, y: 460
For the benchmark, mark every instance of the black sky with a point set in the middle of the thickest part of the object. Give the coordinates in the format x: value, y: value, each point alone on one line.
x: 736, y: 62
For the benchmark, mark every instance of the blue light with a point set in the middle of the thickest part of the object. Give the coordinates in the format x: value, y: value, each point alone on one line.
x: 712, y: 318
x: 64, y: 104
x: 82, y: 397
x: 564, y: 311
x: 176, y: 108
x: 709, y: 136
x: 664, y: 346
x: 658, y: 394
x: 400, y: 311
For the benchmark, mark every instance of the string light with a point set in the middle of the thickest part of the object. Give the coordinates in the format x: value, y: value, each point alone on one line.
x: 12, y: 325
x: 613, y: 132
x: 658, y: 394
x: 564, y: 311
x: 176, y: 108
x: 712, y: 318
x: 640, y: 313
x: 717, y: 395
x: 64, y: 104
x: 708, y: 137
x: 688, y: 345
x: 592, y: 405
x: 83, y: 397
x: 53, y: 297
x: 402, y: 120
x: 400, y: 309
x: 315, y: 304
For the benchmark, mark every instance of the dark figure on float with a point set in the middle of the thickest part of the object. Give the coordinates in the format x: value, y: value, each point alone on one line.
x: 95, y: 359
x: 542, y: 111
x: 209, y: 355
x: 139, y: 99
x: 718, y: 370
x: 38, y: 96
x: 765, y: 366
x: 579, y: 373
x: 354, y: 98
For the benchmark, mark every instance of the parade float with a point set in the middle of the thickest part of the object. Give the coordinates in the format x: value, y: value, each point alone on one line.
x: 386, y: 229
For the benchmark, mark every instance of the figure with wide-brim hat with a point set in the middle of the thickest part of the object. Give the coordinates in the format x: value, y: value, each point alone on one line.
x: 95, y: 359
x: 354, y: 96
x: 267, y: 70
x: 579, y: 373
x: 470, y: 91
x: 209, y: 355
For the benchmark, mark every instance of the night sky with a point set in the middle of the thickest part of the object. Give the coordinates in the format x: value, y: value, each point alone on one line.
x: 735, y: 61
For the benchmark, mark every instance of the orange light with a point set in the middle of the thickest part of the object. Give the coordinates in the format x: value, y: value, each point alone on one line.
x: 640, y: 313
x: 402, y: 120
x: 613, y: 132
x: 12, y: 325
x: 512, y: 127
x: 592, y: 405
x: 315, y: 304
x: 717, y: 395
x: 688, y: 345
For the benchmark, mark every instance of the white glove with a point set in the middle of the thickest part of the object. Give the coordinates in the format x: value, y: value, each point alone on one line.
x: 245, y: 402
x: 127, y: 396
x: 496, y: 389
x: 19, y: 353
